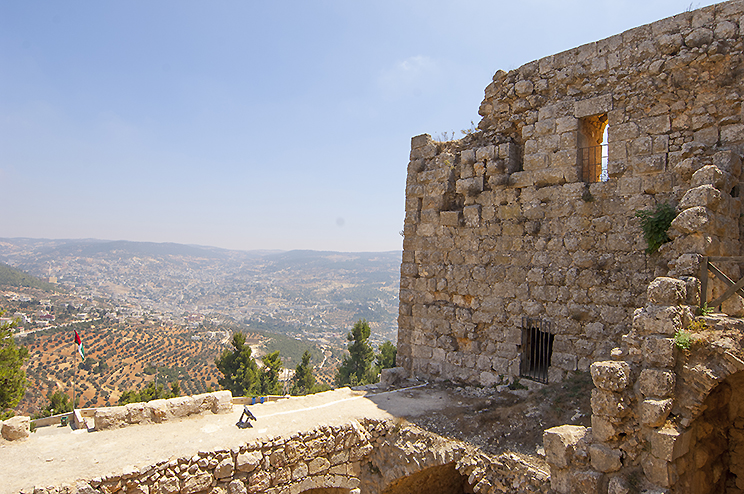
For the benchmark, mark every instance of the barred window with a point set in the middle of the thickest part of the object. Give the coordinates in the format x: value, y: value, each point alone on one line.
x: 537, y: 349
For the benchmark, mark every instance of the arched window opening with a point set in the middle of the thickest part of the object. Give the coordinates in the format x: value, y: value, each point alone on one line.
x: 593, y: 149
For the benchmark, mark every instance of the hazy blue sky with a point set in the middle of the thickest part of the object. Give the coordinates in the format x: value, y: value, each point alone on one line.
x: 252, y: 125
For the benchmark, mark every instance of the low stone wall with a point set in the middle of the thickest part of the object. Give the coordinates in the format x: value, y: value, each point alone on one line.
x: 370, y: 456
x: 161, y: 410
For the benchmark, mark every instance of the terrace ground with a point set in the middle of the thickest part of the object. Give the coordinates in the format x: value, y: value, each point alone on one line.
x: 494, y: 419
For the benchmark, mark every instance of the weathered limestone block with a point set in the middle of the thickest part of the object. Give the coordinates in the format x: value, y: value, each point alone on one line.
x: 585, y: 482
x: 687, y: 167
x: 157, y: 409
x: 668, y: 443
x: 472, y: 215
x: 392, y: 376
x: 181, y: 406
x: 669, y: 43
x: 654, y: 163
x: 423, y: 146
x: 277, y: 458
x: 222, y: 402
x: 489, y: 379
x: 467, y: 156
x: 485, y: 153
x: 654, y: 319
x: 135, y: 487
x: 318, y: 465
x: 699, y: 37
x: 247, y: 462
x: 655, y: 412
x: 733, y: 306
x: 110, y: 417
x: 667, y: 291
x: 688, y: 265
x: 524, y: 88
x: 137, y: 413
x: 565, y: 361
x: 703, y: 195
x: 562, y: 444
x: 224, y: 469
x: 728, y: 161
x: 656, y: 383
x: 618, y: 485
x: 196, y: 483
x: 16, y: 428
x: 603, y: 429
x: 300, y: 471
x: 696, y: 219
x: 656, y: 470
x: 168, y: 485
x: 713, y: 176
x: 236, y: 487
x: 259, y: 481
x: 611, y: 376
x: 658, y: 351
x: 203, y: 402
x: 469, y: 186
x: 449, y: 218
x: 593, y: 106
x: 604, y: 458
x: 608, y: 403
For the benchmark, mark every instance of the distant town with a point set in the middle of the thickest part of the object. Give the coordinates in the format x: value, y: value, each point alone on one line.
x: 164, y: 312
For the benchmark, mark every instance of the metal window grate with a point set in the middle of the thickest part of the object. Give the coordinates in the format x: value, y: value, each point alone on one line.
x: 537, y: 348
x: 593, y: 163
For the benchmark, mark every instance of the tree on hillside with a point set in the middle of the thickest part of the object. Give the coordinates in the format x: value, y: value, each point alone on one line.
x: 356, y: 369
x: 269, y: 378
x: 58, y: 403
x: 150, y: 392
x: 386, y: 358
x: 303, y: 380
x: 239, y: 370
x: 12, y: 377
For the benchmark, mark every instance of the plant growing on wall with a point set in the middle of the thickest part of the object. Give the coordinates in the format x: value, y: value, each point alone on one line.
x: 683, y: 339
x: 655, y: 223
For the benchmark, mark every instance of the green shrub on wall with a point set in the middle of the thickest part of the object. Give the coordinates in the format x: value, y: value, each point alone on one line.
x: 655, y: 223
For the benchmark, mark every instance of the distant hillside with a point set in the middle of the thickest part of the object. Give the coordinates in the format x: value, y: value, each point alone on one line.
x: 307, y: 294
x: 123, y: 356
x: 10, y: 277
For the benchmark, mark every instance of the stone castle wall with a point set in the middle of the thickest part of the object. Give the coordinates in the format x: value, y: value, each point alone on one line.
x: 502, y: 226
x: 370, y: 456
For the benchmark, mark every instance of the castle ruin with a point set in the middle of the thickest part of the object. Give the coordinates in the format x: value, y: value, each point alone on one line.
x: 524, y: 257
x: 522, y: 253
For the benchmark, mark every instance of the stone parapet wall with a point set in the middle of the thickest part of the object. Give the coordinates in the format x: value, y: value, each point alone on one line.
x: 370, y: 456
x: 156, y: 411
x: 501, y: 226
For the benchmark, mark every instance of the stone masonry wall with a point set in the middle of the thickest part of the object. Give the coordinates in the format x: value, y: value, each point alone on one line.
x: 370, y: 456
x: 500, y: 226
x: 665, y: 419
